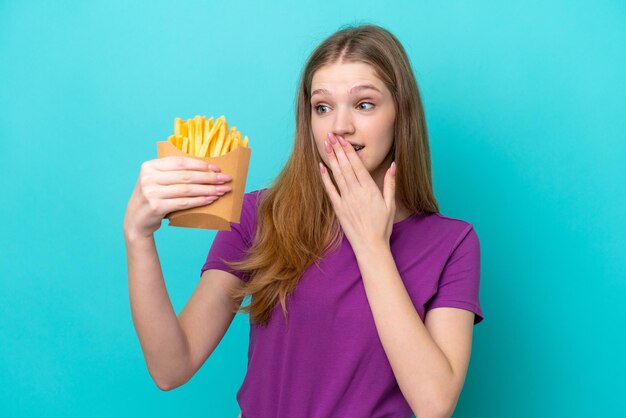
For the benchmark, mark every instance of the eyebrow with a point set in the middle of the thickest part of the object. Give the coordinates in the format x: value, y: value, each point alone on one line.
x: 355, y: 88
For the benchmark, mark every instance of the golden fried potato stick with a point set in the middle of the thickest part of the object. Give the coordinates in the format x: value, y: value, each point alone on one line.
x: 201, y: 137
x: 228, y: 143
x: 191, y: 134
x: 233, y: 142
x: 204, y: 150
x: 214, y: 134
x: 206, y: 140
x: 177, y: 126
x: 239, y: 141
x: 220, y: 141
x: 199, y: 124
x: 228, y: 140
x: 177, y: 141
x: 183, y: 129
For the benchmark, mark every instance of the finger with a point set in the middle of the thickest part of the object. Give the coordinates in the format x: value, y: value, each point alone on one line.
x: 334, y: 167
x: 189, y: 177
x: 170, y: 205
x: 389, y: 187
x: 335, y: 199
x: 214, y: 168
x: 188, y: 190
x: 344, y: 164
x: 362, y: 175
x: 179, y: 163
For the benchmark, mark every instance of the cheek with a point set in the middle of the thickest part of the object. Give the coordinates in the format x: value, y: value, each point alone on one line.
x: 319, y: 145
x: 379, y: 136
x: 382, y: 131
x: 319, y: 134
x: 320, y: 150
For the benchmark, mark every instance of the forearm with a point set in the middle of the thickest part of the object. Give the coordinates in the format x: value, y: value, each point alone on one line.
x: 162, y: 339
x: 422, y: 370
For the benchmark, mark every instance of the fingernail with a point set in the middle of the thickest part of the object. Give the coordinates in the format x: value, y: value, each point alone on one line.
x: 342, y: 141
x: 328, y: 147
x: 223, y: 177
x: 213, y: 168
x: 222, y: 189
x: 332, y: 139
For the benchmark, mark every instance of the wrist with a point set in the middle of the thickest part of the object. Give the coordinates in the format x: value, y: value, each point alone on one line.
x: 132, y: 235
x: 371, y: 250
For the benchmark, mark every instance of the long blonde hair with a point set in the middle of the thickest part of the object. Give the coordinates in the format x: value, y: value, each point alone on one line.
x: 296, y: 224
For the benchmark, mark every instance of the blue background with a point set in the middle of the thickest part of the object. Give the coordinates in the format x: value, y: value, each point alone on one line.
x: 526, y: 114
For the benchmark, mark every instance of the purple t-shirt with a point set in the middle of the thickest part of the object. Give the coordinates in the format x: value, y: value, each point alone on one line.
x: 329, y: 361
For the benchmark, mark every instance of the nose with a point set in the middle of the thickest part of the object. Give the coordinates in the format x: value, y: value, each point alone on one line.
x: 343, y: 124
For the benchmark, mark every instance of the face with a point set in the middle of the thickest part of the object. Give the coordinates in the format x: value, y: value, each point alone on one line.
x: 349, y: 100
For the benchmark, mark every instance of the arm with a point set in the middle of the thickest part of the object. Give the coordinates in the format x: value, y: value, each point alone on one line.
x: 165, y: 185
x: 429, y: 360
x: 175, y: 348
x: 162, y: 339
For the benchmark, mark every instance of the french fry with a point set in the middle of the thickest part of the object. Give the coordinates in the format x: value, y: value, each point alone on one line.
x: 227, y: 144
x: 206, y: 140
x: 191, y: 134
x: 199, y: 124
x: 202, y: 137
x: 233, y: 142
x: 239, y: 141
x: 185, y: 145
x: 220, y: 141
x: 183, y: 129
x: 213, y: 136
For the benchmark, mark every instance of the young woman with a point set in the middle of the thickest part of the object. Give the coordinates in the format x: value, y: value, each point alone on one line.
x: 363, y: 295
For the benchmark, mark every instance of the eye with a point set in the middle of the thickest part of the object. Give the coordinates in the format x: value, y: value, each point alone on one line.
x: 317, y: 108
x: 364, y: 103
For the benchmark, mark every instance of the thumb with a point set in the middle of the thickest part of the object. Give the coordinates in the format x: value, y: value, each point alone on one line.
x: 389, y: 186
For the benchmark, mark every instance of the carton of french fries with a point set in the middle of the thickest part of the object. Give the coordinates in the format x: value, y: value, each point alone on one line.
x: 214, y: 143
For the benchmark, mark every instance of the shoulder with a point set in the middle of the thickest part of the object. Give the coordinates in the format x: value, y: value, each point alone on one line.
x: 454, y: 226
x: 252, y: 199
x: 449, y: 235
x: 438, y: 228
x: 450, y: 222
x: 249, y: 210
x: 461, y: 238
x: 435, y: 234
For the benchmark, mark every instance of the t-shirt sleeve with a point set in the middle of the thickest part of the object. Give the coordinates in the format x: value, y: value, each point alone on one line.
x: 232, y: 245
x: 460, y: 280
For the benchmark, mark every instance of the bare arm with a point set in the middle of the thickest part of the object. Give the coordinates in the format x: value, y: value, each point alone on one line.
x: 164, y: 344
x: 175, y: 348
x: 163, y: 186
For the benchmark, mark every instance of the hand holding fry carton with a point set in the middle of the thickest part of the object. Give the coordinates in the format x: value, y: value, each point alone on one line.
x: 212, y: 142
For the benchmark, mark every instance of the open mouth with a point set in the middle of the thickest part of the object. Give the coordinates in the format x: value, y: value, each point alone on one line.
x: 357, y: 148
